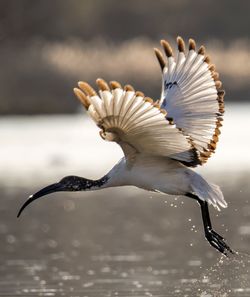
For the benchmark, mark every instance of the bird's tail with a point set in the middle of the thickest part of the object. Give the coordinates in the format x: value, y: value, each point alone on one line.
x: 208, y: 192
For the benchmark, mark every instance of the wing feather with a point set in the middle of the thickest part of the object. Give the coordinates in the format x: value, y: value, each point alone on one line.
x: 192, y: 97
x: 130, y: 119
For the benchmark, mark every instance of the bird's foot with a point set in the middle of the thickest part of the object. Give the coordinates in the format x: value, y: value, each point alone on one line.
x: 218, y: 242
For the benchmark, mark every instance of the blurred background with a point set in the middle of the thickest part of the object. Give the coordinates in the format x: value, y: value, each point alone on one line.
x: 47, y: 46
x: 119, y: 242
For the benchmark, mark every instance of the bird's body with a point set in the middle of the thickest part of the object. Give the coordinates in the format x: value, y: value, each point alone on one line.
x: 157, y: 174
x: 160, y: 174
x: 161, y: 140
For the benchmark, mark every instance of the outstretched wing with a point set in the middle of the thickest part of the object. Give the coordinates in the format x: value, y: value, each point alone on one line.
x: 192, y: 95
x: 134, y: 121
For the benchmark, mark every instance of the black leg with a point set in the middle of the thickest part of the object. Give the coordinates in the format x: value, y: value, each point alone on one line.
x: 216, y: 240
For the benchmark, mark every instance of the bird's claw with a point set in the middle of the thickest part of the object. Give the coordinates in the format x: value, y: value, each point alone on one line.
x: 218, y: 242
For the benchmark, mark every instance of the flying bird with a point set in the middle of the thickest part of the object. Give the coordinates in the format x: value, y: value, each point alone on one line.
x: 161, y: 140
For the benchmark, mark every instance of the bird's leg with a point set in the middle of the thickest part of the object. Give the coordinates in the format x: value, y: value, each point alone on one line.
x: 215, y: 239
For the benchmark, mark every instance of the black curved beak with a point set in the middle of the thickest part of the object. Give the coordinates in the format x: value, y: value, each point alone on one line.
x: 57, y: 187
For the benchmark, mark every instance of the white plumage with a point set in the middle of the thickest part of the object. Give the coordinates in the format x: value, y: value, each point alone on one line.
x: 161, y: 139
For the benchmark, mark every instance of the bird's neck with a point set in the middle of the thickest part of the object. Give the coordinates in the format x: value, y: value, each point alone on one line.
x: 83, y: 184
x: 98, y: 183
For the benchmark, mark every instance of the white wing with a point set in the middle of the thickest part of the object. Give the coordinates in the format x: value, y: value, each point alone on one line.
x: 134, y: 122
x: 191, y: 94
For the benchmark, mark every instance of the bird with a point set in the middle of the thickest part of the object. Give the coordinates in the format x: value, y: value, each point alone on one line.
x: 162, y: 140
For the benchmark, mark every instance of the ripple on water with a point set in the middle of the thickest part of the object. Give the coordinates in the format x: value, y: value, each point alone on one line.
x: 229, y: 277
x: 244, y: 230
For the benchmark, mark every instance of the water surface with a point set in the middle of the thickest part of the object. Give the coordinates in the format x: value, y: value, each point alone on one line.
x: 116, y: 242
x: 121, y: 243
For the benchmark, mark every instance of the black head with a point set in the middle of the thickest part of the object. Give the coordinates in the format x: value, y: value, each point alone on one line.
x: 75, y: 183
x: 68, y: 183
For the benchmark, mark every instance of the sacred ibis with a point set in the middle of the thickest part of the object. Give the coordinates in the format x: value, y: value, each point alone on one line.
x: 161, y: 140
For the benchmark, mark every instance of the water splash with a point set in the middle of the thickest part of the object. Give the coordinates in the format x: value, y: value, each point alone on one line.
x: 228, y: 277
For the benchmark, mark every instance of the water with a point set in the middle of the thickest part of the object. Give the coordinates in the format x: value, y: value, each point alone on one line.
x: 115, y: 242
x: 108, y: 244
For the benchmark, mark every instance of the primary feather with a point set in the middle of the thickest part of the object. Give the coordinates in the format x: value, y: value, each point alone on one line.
x: 192, y: 96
